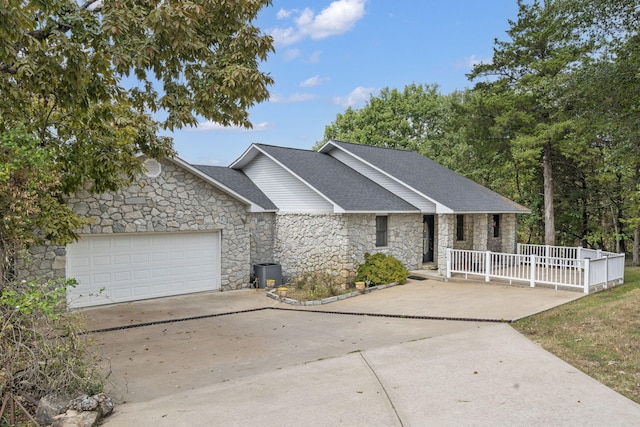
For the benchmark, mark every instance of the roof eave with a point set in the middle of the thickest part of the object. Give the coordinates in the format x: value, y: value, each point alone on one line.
x: 252, y: 207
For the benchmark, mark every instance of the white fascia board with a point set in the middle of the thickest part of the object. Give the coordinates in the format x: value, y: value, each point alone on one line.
x: 440, y: 208
x: 336, y: 208
x: 246, y: 157
x: 384, y: 212
x: 252, y: 207
x: 491, y: 212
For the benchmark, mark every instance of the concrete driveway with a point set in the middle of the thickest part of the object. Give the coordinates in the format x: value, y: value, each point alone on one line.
x: 244, y: 359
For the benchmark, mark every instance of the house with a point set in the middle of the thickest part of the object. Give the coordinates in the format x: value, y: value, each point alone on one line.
x: 182, y: 228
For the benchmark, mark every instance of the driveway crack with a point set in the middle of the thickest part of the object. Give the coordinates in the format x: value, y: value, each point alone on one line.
x: 383, y: 388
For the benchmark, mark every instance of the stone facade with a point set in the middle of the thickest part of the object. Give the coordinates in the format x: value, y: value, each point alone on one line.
x: 174, y: 201
x: 327, y: 243
x: 261, y: 232
x: 335, y: 244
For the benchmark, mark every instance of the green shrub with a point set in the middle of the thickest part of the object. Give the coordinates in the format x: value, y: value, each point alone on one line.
x: 381, y: 269
x: 43, y: 348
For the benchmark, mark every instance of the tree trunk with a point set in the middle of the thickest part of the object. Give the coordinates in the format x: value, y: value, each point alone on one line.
x: 636, y: 246
x: 549, y: 217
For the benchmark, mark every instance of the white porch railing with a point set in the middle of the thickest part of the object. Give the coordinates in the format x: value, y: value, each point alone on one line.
x: 535, y: 264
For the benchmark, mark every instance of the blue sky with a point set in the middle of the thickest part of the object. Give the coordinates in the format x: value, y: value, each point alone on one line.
x: 334, y: 54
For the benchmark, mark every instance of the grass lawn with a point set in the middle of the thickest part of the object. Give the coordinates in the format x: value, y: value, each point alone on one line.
x: 598, y: 334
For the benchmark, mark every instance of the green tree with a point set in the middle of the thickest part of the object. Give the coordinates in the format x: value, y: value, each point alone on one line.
x: 417, y: 118
x: 31, y: 200
x: 394, y: 119
x: 529, y: 74
x: 85, y: 77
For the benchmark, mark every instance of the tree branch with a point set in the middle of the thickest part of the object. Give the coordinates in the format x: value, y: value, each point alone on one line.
x: 4, y: 68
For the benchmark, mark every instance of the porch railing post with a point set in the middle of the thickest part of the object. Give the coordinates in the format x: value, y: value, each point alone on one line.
x: 487, y: 266
x: 547, y: 255
x: 533, y: 271
x: 448, y: 263
x: 586, y: 275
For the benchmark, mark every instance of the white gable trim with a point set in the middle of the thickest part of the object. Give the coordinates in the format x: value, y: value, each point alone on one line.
x: 252, y: 152
x: 439, y: 207
x: 252, y: 207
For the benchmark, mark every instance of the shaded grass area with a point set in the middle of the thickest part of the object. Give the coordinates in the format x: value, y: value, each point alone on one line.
x: 598, y: 334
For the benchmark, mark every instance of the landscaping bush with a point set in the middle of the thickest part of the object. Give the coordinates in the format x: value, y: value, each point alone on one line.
x: 42, y: 346
x: 315, y: 286
x: 381, y: 269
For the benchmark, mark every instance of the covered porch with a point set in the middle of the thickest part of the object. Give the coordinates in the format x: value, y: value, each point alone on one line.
x: 541, y: 265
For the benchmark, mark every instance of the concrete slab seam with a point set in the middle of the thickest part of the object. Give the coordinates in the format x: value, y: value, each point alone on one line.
x: 383, y: 387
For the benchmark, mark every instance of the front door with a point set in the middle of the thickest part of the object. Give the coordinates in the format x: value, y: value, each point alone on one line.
x: 427, y: 238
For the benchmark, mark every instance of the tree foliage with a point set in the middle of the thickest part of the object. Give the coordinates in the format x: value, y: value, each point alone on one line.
x: 86, y: 77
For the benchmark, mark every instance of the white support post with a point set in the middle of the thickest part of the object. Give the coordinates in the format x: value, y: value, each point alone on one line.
x: 533, y: 271
x: 519, y: 248
x: 547, y: 254
x: 448, y: 263
x: 487, y: 266
x: 586, y: 275
x: 606, y: 272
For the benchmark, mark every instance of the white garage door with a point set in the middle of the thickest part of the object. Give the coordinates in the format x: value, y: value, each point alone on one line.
x: 128, y: 267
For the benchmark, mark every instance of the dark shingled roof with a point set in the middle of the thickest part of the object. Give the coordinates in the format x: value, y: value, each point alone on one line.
x: 237, y: 181
x: 339, y: 183
x: 433, y: 180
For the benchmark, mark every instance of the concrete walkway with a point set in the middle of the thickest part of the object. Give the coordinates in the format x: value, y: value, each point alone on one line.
x: 292, y: 367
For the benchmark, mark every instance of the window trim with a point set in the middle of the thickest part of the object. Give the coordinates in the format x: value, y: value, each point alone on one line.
x: 460, y: 227
x: 496, y: 225
x: 382, y: 233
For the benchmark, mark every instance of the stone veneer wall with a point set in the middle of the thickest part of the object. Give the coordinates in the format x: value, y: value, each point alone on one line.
x: 175, y: 201
x: 335, y: 244
x: 509, y: 232
x: 262, y: 237
x: 446, y: 232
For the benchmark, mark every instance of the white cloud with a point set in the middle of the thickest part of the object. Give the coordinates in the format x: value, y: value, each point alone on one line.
x: 356, y: 97
x: 284, y: 14
x: 315, y: 57
x: 291, y: 54
x: 473, y: 60
x: 293, y: 98
x: 205, y: 161
x: 337, y: 18
x: 214, y: 126
x: 286, y: 36
x: 314, y: 81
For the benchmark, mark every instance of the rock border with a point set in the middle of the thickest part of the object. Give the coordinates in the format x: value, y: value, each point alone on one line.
x: 272, y: 293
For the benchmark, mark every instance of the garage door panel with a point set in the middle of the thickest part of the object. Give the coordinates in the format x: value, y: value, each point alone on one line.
x: 131, y: 267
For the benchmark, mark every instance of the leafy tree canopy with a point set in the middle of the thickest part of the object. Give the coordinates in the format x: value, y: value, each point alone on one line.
x: 86, y: 77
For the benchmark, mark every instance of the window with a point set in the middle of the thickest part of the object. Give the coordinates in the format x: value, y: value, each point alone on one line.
x: 460, y: 227
x: 496, y: 225
x: 381, y: 231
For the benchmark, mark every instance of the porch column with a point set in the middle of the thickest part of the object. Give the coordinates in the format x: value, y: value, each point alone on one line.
x: 446, y: 232
x: 480, y: 232
x: 509, y: 232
